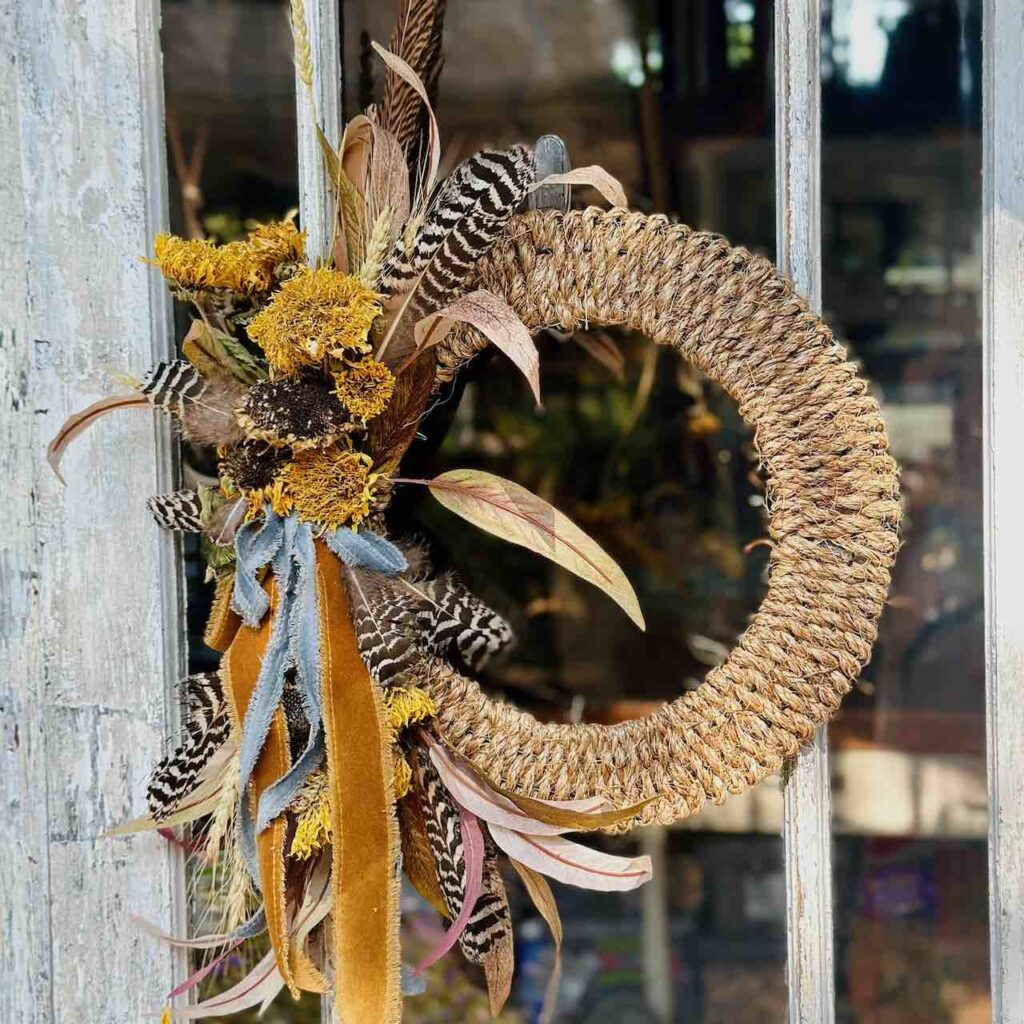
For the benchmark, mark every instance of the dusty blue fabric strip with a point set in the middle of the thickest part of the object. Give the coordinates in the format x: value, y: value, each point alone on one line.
x: 256, y: 544
x: 304, y: 656
x: 366, y: 550
x: 289, y: 547
x: 256, y: 925
x: 266, y: 695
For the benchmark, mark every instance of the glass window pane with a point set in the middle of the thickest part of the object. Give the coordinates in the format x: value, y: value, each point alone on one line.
x: 902, y: 280
x: 638, y: 448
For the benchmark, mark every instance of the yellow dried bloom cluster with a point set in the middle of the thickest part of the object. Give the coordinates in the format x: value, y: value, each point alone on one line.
x: 365, y: 389
x: 312, y: 810
x: 330, y: 486
x: 316, y: 314
x: 403, y: 776
x: 405, y: 706
x: 246, y: 267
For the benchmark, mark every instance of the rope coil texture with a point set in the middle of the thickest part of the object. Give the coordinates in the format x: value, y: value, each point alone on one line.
x: 833, y: 501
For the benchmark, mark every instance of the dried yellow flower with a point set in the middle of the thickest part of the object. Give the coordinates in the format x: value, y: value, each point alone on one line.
x: 407, y: 705
x: 365, y: 388
x: 403, y: 775
x: 312, y: 811
x: 330, y: 487
x: 318, y: 313
x: 246, y: 267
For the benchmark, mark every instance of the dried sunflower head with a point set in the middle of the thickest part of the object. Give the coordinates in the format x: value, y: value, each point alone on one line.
x: 365, y: 389
x: 247, y: 267
x: 252, y: 465
x: 316, y: 314
x: 330, y: 486
x: 298, y: 411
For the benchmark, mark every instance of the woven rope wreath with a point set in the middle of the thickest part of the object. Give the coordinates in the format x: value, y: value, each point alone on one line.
x: 834, y: 501
x: 346, y: 739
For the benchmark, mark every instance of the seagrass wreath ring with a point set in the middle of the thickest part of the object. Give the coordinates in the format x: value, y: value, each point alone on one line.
x: 833, y: 499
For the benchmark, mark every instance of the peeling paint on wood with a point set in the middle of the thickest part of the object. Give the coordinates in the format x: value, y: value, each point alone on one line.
x: 1003, y: 320
x: 90, y: 608
x: 316, y: 208
x: 807, y: 829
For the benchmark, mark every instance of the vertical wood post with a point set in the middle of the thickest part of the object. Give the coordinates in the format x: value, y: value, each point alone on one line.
x: 316, y: 208
x: 1003, y: 327
x: 90, y: 603
x: 807, y: 828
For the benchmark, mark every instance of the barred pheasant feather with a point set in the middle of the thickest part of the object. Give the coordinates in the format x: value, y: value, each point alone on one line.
x: 313, y: 763
x: 454, y: 620
x: 416, y: 38
x: 173, y: 386
x: 400, y: 619
x: 384, y: 624
x: 180, y: 510
x: 205, y: 729
x: 470, y: 211
x: 441, y: 818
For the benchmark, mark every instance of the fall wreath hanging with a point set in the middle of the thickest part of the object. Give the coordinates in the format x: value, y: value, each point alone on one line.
x: 344, y: 739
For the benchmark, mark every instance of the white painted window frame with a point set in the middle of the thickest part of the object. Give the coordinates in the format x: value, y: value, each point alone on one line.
x: 90, y: 654
x: 92, y: 635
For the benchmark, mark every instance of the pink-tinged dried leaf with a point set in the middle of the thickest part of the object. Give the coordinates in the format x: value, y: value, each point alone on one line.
x: 197, y: 976
x: 544, y: 900
x: 263, y: 983
x: 594, y: 176
x: 259, y: 986
x: 496, y: 320
x: 511, y: 512
x: 473, y: 855
x: 408, y: 75
x: 81, y: 421
x: 471, y: 793
x: 573, y: 864
x: 199, y: 942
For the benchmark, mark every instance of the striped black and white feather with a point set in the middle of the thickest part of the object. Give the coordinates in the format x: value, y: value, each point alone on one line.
x: 384, y: 624
x: 416, y: 38
x: 173, y: 386
x: 465, y: 219
x: 205, y: 729
x: 444, y: 831
x: 491, y: 922
x: 451, y: 619
x: 179, y: 510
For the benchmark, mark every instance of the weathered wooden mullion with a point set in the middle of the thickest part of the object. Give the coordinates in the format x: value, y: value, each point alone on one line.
x: 318, y: 107
x: 91, y: 601
x: 807, y: 824
x: 321, y: 103
x: 1003, y: 333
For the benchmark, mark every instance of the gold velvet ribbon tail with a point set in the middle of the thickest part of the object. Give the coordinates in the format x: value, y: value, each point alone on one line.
x: 367, y: 958
x: 240, y: 668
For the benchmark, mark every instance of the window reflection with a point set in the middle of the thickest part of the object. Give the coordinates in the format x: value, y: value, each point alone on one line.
x: 901, y: 283
x: 675, y: 99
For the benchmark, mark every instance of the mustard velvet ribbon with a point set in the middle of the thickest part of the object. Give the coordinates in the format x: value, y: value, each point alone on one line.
x: 240, y: 668
x: 365, y: 837
x: 365, y: 840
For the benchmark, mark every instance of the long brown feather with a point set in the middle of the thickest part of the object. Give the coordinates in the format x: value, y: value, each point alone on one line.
x: 416, y: 38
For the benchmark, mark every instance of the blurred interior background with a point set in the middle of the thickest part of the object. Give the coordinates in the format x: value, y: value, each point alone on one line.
x: 675, y: 98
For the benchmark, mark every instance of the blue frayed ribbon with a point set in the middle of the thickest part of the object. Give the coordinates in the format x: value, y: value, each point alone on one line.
x: 288, y: 547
